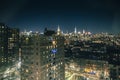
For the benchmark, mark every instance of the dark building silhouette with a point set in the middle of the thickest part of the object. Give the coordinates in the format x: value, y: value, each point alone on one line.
x: 9, y: 44
x: 114, y: 61
x: 49, y: 32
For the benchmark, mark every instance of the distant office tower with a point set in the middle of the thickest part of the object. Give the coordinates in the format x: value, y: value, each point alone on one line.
x: 75, y: 31
x: 42, y: 57
x: 83, y: 31
x: 9, y: 45
x: 59, y: 31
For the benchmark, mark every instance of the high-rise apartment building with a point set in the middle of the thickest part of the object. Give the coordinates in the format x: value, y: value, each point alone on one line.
x: 114, y: 61
x: 9, y: 45
x: 42, y: 57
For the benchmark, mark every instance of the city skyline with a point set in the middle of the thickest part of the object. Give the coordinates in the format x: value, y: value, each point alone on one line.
x: 56, y: 56
x: 94, y: 16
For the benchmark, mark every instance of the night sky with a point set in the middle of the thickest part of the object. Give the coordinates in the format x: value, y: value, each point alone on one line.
x: 91, y: 15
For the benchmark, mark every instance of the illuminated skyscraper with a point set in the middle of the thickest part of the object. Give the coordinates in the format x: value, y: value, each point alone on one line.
x: 83, y: 31
x: 42, y: 57
x: 75, y: 30
x: 58, y: 30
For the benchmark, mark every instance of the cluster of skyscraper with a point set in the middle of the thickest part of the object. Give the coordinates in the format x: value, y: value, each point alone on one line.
x: 41, y: 55
x: 35, y: 56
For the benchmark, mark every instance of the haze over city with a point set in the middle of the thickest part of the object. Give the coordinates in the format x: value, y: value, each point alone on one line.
x: 60, y: 40
x: 93, y: 15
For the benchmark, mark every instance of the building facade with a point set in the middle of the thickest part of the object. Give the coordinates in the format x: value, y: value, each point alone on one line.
x: 9, y: 45
x: 114, y: 61
x: 42, y: 57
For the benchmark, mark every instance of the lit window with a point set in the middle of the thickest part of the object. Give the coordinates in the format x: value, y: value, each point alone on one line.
x: 37, y: 73
x: 47, y: 47
x: 27, y: 70
x: 56, y: 45
x: 47, y: 75
x: 2, y: 26
x: 51, y: 46
x: 27, y: 39
x: 37, y: 78
x: 54, y: 50
x: 43, y: 52
x: 54, y: 42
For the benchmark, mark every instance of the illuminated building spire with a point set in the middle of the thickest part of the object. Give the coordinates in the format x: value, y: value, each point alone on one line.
x: 58, y: 30
x: 75, y: 30
x: 83, y: 31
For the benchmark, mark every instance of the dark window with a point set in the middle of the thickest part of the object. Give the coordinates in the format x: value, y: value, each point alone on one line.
x: 36, y: 53
x: 36, y: 63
